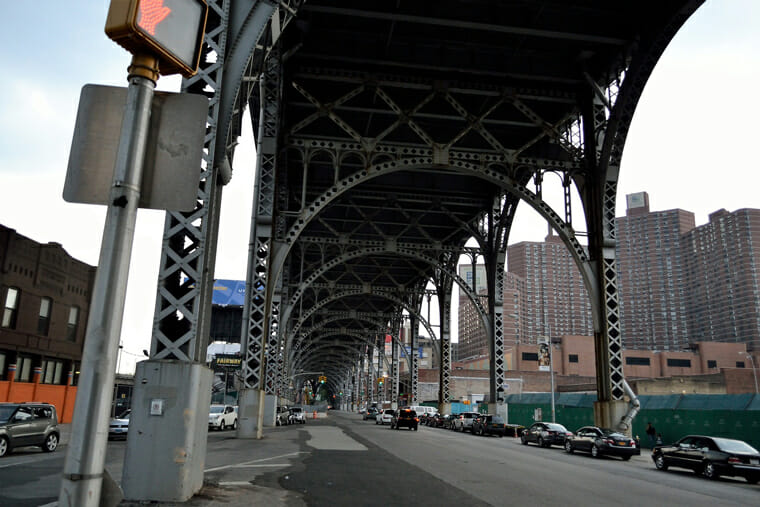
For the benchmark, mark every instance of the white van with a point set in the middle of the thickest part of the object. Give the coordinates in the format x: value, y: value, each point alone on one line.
x: 424, y: 410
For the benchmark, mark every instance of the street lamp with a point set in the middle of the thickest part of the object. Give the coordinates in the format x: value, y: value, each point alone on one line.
x: 754, y: 372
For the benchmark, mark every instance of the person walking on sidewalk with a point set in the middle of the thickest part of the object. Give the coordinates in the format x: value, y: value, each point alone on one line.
x: 651, y: 433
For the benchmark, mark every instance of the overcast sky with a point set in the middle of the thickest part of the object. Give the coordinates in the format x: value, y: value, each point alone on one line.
x: 691, y: 144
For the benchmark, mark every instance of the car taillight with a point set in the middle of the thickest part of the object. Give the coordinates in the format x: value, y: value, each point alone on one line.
x: 609, y: 441
x: 734, y: 461
x: 416, y: 419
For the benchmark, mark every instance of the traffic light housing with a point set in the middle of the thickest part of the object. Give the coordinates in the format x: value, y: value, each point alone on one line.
x: 171, y: 30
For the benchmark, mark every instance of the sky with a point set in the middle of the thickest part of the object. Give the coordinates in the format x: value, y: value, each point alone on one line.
x: 690, y: 146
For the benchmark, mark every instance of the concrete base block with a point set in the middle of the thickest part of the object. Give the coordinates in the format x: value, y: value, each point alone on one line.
x: 270, y: 410
x: 248, y: 413
x: 166, y: 446
x: 608, y: 414
x: 444, y: 408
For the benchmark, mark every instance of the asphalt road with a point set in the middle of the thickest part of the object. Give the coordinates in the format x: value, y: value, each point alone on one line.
x: 343, y: 460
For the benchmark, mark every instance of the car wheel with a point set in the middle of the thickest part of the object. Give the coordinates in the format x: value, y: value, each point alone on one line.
x: 708, y: 470
x: 415, y: 428
x: 51, y: 443
x: 595, y: 451
x: 625, y: 458
x: 234, y: 424
x: 221, y: 426
x: 753, y: 479
x: 659, y: 462
x: 4, y: 448
x: 568, y: 447
x: 541, y: 442
x: 523, y: 440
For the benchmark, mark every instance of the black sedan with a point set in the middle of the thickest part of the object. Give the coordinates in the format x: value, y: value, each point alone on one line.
x: 405, y: 418
x: 545, y: 434
x: 488, y: 424
x: 711, y: 457
x: 602, y: 442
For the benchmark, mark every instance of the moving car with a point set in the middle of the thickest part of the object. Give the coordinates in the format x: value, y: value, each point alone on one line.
x: 370, y: 413
x: 405, y: 418
x: 221, y: 417
x: 487, y: 424
x: 463, y: 421
x: 384, y: 417
x: 711, y: 457
x: 545, y: 434
x: 602, y: 442
x: 119, y: 426
x: 28, y: 424
x: 297, y: 415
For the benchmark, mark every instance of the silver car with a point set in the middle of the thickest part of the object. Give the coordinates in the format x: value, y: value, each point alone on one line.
x: 28, y: 424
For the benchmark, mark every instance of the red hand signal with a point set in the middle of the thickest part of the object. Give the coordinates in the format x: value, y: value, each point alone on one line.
x: 152, y: 12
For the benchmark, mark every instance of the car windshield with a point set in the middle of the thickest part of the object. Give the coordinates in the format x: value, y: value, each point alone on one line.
x: 294, y: 410
x: 216, y: 410
x: 125, y: 415
x: 5, y: 413
x: 556, y: 427
x: 497, y: 420
x: 728, y: 445
x: 388, y: 411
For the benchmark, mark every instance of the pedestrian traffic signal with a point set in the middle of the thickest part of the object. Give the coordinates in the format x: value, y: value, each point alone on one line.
x: 171, y: 30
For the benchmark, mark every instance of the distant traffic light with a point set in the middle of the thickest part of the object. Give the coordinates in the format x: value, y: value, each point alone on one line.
x: 172, y: 30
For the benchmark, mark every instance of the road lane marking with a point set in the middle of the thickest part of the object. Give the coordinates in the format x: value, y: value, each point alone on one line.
x: 236, y: 465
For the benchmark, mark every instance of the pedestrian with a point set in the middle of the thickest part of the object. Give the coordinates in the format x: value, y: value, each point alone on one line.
x: 651, y: 433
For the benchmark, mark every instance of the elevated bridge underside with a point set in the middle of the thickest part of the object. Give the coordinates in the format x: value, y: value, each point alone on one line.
x: 388, y: 135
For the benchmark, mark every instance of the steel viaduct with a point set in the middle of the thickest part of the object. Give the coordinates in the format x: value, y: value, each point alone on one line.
x: 388, y: 135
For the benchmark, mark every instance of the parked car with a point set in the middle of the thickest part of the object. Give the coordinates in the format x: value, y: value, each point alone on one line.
x: 545, y: 434
x: 296, y: 415
x: 711, y: 457
x: 384, y: 417
x: 463, y: 421
x: 370, y: 413
x: 28, y: 424
x: 487, y: 424
x: 602, y: 442
x: 405, y: 418
x: 221, y: 417
x: 119, y: 426
x: 447, y: 421
x: 282, y: 417
x: 434, y: 421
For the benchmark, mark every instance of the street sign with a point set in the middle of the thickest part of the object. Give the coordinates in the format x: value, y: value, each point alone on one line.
x: 172, y: 30
x: 174, y: 150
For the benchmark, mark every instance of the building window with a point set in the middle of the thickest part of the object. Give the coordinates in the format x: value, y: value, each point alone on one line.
x: 51, y: 372
x: 10, y: 308
x: 637, y: 361
x: 572, y: 358
x: 680, y: 363
x: 73, y: 324
x: 712, y: 363
x: 740, y: 364
x: 530, y: 356
x: 3, y: 364
x: 43, y: 321
x: 24, y: 369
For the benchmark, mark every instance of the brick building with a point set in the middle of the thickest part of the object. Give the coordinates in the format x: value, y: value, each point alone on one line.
x: 45, y: 295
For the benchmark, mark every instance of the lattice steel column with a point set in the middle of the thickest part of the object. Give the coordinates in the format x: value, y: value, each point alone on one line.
x: 185, y: 280
x: 394, y: 367
x: 259, y: 289
x: 380, y: 356
x: 414, y: 375
x: 496, y: 342
x: 273, y: 353
x: 444, y: 302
